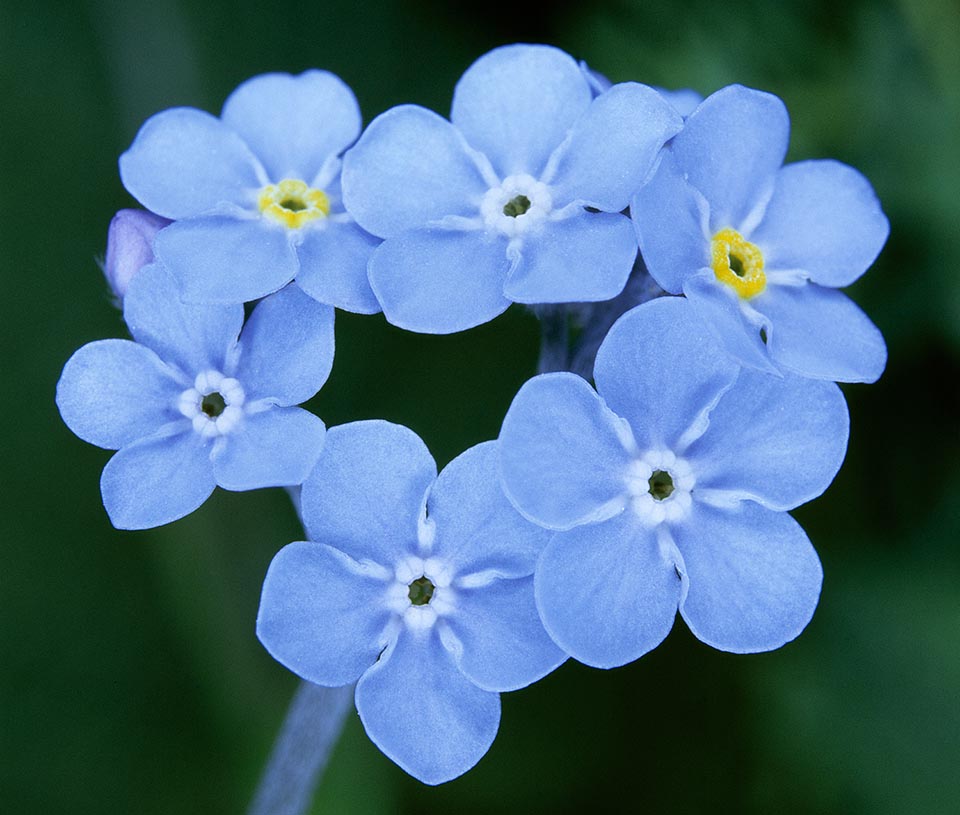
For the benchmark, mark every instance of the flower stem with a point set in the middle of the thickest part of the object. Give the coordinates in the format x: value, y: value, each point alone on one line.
x: 301, y: 751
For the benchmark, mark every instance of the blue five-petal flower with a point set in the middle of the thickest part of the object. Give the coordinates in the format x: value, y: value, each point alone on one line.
x: 255, y: 194
x: 490, y: 207
x: 760, y: 249
x: 668, y: 489
x: 189, y: 406
x: 417, y: 585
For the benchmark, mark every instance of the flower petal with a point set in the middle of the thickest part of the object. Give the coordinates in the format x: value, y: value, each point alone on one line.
x: 322, y: 614
x: 504, y: 644
x: 184, y: 162
x: 113, y: 392
x: 423, y: 713
x: 720, y: 308
x: 606, y: 593
x: 333, y: 266
x: 367, y: 493
x: 824, y: 218
x: 614, y: 146
x: 822, y: 333
x: 220, y: 259
x: 191, y: 336
x: 753, y: 577
x: 730, y: 149
x: 275, y: 448
x: 294, y: 123
x: 778, y: 441
x: 562, y: 453
x: 286, y: 348
x: 157, y: 480
x: 667, y: 218
x: 410, y: 167
x: 660, y: 369
x: 477, y: 529
x: 517, y: 103
x: 585, y: 258
x: 438, y: 281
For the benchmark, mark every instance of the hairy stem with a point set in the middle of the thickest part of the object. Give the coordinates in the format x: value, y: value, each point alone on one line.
x: 302, y: 749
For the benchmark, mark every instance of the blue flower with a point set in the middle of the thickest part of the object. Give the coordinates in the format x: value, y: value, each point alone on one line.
x: 491, y: 207
x: 256, y: 193
x: 418, y: 586
x: 189, y: 406
x: 669, y: 491
x: 760, y: 249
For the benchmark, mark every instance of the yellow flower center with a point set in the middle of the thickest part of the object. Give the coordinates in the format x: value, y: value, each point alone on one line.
x: 292, y: 203
x: 738, y: 263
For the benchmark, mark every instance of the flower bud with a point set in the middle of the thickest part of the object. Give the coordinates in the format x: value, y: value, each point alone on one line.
x: 130, y: 246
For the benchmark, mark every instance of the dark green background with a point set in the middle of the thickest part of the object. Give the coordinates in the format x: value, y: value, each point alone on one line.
x: 131, y: 677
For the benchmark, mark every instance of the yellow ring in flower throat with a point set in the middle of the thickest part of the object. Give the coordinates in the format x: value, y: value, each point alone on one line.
x: 738, y: 263
x: 292, y: 203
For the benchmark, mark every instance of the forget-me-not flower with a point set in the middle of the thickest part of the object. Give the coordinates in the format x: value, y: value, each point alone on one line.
x: 418, y: 586
x: 189, y: 406
x: 761, y: 249
x: 668, y: 487
x: 256, y: 193
x: 491, y: 207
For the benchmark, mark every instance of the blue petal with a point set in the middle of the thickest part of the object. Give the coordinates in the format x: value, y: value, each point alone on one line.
x: 423, y: 713
x: 779, y: 441
x: 477, y: 529
x: 667, y: 218
x: 598, y: 82
x: 562, y: 453
x: 731, y: 148
x: 504, y: 644
x: 438, y: 281
x: 585, y: 258
x: 822, y: 333
x: 219, y: 259
x: 113, y: 392
x: 322, y: 614
x: 367, y: 493
x: 720, y: 308
x: 294, y: 123
x: 824, y: 218
x: 193, y: 337
x: 684, y: 100
x: 753, y: 579
x: 613, y: 147
x: 333, y: 266
x: 157, y: 480
x: 409, y: 167
x: 517, y: 103
x: 184, y: 162
x: 606, y: 593
x: 286, y: 348
x: 660, y: 369
x: 275, y: 448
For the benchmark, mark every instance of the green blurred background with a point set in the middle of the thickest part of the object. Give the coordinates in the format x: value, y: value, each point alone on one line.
x: 131, y: 677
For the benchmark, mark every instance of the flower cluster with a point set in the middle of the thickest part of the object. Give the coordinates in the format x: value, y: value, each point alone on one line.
x: 602, y: 510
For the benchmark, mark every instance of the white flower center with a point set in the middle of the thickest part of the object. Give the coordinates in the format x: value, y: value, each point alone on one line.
x: 214, y: 404
x: 519, y: 204
x: 421, y: 593
x: 659, y: 485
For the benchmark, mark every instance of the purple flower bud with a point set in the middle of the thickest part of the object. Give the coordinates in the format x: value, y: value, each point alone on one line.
x: 130, y: 246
